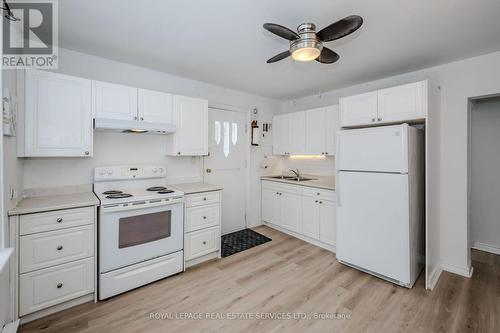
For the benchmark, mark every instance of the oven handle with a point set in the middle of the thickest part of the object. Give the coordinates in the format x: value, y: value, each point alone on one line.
x: 110, y: 208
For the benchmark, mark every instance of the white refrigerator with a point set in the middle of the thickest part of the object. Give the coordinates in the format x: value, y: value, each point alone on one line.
x: 380, y: 204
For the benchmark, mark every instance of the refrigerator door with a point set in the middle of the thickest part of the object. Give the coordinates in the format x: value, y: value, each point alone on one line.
x: 373, y: 223
x: 377, y: 149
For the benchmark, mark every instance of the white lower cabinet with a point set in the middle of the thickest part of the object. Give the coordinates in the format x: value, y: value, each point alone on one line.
x: 202, y: 230
x: 56, y: 252
x: 303, y: 210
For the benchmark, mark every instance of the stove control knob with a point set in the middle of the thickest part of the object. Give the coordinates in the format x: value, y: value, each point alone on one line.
x: 102, y: 172
x: 155, y: 170
x: 160, y: 170
x: 109, y: 172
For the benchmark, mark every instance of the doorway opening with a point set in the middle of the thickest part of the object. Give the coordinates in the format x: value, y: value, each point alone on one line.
x: 484, y: 181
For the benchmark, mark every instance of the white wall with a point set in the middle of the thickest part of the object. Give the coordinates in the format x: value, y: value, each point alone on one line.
x: 485, y: 183
x: 314, y: 166
x: 118, y: 148
x: 459, y: 81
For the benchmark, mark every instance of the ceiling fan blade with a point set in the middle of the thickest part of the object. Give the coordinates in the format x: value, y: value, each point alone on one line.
x: 340, y: 28
x: 327, y: 56
x: 279, y: 57
x: 281, y: 31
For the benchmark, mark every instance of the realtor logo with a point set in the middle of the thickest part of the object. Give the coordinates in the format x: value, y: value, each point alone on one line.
x: 31, y: 40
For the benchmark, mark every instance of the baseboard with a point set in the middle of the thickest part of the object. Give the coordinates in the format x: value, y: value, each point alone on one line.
x: 11, y: 327
x: 463, y: 271
x: 302, y: 237
x: 434, y: 277
x: 486, y: 247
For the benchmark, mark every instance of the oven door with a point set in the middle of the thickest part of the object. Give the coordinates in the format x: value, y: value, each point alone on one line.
x: 137, y: 234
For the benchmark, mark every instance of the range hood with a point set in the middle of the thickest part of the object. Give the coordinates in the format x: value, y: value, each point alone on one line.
x: 133, y: 126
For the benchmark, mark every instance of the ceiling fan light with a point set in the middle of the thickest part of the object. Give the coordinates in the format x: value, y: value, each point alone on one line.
x: 306, y: 54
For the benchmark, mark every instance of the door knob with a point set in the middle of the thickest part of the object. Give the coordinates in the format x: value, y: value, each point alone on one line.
x: 209, y: 170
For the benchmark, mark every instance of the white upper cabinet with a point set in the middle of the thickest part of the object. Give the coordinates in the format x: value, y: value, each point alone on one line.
x: 359, y: 110
x: 310, y: 132
x: 403, y: 103
x: 155, y: 106
x: 114, y: 101
x: 399, y: 104
x: 297, y: 133
x: 58, y: 116
x: 281, y: 135
x: 190, y: 117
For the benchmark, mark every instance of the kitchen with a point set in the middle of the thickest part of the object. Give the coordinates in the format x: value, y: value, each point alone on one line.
x: 312, y: 122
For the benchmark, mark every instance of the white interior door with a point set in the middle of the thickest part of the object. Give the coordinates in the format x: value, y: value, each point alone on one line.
x: 226, y: 166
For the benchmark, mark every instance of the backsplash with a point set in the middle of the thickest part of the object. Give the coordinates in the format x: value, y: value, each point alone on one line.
x: 311, y: 165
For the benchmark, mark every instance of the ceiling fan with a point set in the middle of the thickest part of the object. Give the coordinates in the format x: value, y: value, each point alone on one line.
x: 307, y: 45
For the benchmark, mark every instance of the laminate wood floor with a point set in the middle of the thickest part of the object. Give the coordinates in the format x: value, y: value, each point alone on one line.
x: 284, y: 277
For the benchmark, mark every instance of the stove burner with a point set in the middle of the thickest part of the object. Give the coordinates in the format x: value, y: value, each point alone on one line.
x: 112, y: 192
x: 156, y: 188
x: 165, y: 191
x: 118, y: 196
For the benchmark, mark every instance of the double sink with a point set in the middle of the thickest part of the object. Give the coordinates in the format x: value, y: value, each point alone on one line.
x: 293, y: 178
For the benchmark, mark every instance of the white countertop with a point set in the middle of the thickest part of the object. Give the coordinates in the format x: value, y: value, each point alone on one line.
x: 190, y: 188
x: 54, y: 202
x: 324, y: 182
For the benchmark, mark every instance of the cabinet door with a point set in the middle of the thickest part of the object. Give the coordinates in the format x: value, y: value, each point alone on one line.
x: 271, y: 206
x: 358, y: 110
x: 402, y: 103
x: 316, y: 131
x: 114, y: 101
x: 281, y: 135
x: 332, y: 126
x: 58, y: 115
x: 310, y: 217
x: 297, y: 133
x: 327, y: 222
x: 191, y: 120
x: 155, y: 106
x: 291, y: 211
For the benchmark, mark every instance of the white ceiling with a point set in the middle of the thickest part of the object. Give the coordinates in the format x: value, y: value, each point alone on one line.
x: 223, y: 42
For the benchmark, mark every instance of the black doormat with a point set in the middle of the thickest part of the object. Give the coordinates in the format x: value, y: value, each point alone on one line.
x: 241, y: 240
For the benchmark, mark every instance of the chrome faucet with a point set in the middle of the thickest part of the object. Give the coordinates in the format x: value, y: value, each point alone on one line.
x: 297, y: 173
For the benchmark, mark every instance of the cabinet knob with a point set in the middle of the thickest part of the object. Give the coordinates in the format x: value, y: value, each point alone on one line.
x: 135, y: 118
x: 373, y: 120
x: 321, y: 202
x: 316, y: 201
x: 204, y: 217
x: 87, y: 153
x: 326, y: 153
x: 142, y: 118
x: 59, y: 248
x: 204, y: 243
x: 59, y: 285
x: 379, y: 119
x: 59, y: 220
x: 317, y: 193
x: 209, y: 170
x: 204, y: 199
x: 178, y: 153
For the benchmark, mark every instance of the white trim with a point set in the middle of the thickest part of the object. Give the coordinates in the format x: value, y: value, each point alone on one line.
x: 434, y: 276
x: 11, y: 327
x: 463, y: 271
x: 486, y: 247
x: 5, y: 255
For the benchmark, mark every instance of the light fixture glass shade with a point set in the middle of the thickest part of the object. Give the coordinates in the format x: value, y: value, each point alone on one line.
x: 306, y: 54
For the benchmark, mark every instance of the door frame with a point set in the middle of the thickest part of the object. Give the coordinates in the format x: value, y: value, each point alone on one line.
x: 247, y: 112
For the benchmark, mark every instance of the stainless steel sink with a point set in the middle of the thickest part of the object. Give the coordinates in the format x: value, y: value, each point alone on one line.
x: 293, y: 178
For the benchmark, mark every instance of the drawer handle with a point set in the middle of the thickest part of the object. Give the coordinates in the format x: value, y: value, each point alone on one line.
x: 59, y: 285
x: 204, y: 217
x: 316, y: 201
x: 204, y: 199
x: 321, y: 202
x: 317, y: 193
x: 204, y: 243
x: 59, y: 220
x: 59, y: 248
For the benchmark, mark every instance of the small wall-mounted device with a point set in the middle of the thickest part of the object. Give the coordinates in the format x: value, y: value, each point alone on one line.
x: 255, y: 133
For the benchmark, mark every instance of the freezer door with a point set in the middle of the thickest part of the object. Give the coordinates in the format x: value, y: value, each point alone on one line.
x: 377, y: 149
x: 373, y: 223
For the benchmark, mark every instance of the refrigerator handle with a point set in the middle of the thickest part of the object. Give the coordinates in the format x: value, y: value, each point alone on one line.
x: 337, y: 163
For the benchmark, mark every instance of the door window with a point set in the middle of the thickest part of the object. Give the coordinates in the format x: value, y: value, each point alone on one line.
x: 141, y: 229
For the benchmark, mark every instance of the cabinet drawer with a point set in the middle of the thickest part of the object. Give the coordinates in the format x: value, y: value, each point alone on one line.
x: 47, y: 287
x: 202, y: 217
x: 202, y: 242
x: 319, y: 193
x: 55, y: 247
x: 282, y: 187
x: 59, y: 219
x: 205, y: 198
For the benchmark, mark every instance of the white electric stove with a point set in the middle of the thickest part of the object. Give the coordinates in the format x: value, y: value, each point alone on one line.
x: 140, y: 227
